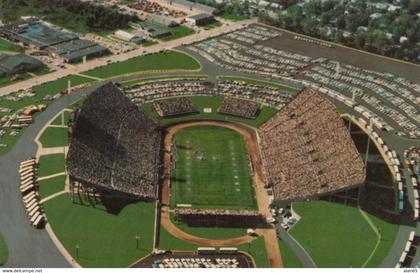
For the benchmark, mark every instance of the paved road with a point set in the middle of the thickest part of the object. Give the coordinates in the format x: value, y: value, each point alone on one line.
x: 28, y: 247
x: 79, y: 68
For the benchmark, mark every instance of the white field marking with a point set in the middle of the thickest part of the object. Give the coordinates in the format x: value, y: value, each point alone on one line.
x: 50, y: 176
x: 378, y: 235
x: 52, y: 196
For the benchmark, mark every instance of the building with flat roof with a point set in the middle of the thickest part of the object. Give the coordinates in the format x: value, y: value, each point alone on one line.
x: 200, y: 19
x: 74, y: 51
x: 129, y: 37
x: 36, y: 34
x: 15, y: 64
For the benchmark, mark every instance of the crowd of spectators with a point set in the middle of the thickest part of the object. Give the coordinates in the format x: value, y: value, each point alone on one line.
x: 239, y: 108
x: 219, y: 217
x: 114, y: 145
x: 308, y: 151
x: 174, y: 107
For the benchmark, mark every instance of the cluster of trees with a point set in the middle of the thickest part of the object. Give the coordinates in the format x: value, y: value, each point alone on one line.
x: 73, y: 14
x: 352, y: 23
x: 346, y: 21
x: 99, y: 16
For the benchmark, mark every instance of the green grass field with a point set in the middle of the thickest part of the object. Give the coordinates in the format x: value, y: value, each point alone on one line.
x: 51, y: 164
x: 256, y: 248
x: 208, y: 232
x: 54, y: 137
x: 8, y: 80
x: 211, y: 169
x: 290, y: 260
x: 4, y: 253
x: 338, y: 236
x: 172, y: 60
x: 62, y: 119
x: 104, y: 239
x: 178, y: 32
x: 7, y: 46
x: 388, y: 235
x: 51, y: 186
x: 213, y: 25
x: 214, y: 103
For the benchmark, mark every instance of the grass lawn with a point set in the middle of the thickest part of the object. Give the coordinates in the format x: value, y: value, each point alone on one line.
x: 51, y: 186
x: 104, y: 239
x: 4, y: 253
x: 388, y: 235
x: 8, y: 46
x: 42, y: 71
x: 334, y: 235
x: 210, y: 233
x: 54, y: 137
x: 172, y: 60
x: 50, y: 88
x: 8, y: 80
x: 212, y: 169
x: 261, y: 82
x: 256, y: 249
x: 213, y: 102
x: 213, y: 25
x: 233, y: 17
x: 51, y: 164
x: 290, y: 260
x: 149, y: 43
x: 178, y: 32
x: 59, y: 119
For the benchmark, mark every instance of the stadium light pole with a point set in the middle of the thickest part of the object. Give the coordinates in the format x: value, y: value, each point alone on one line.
x: 137, y: 241
x: 368, y: 143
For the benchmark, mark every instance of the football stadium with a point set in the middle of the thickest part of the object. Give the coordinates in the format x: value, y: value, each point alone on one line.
x: 227, y: 152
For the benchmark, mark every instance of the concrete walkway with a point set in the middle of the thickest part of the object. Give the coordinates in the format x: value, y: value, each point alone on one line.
x: 49, y: 197
x: 50, y: 176
x: 300, y: 252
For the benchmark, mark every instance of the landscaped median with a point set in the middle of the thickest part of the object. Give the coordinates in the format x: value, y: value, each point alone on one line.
x: 337, y: 235
x: 160, y: 62
x: 51, y: 164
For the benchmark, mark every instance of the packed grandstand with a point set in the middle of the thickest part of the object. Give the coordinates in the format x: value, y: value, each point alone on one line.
x: 114, y: 145
x: 306, y: 148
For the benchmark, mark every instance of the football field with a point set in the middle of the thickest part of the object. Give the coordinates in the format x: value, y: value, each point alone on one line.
x: 211, y: 169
